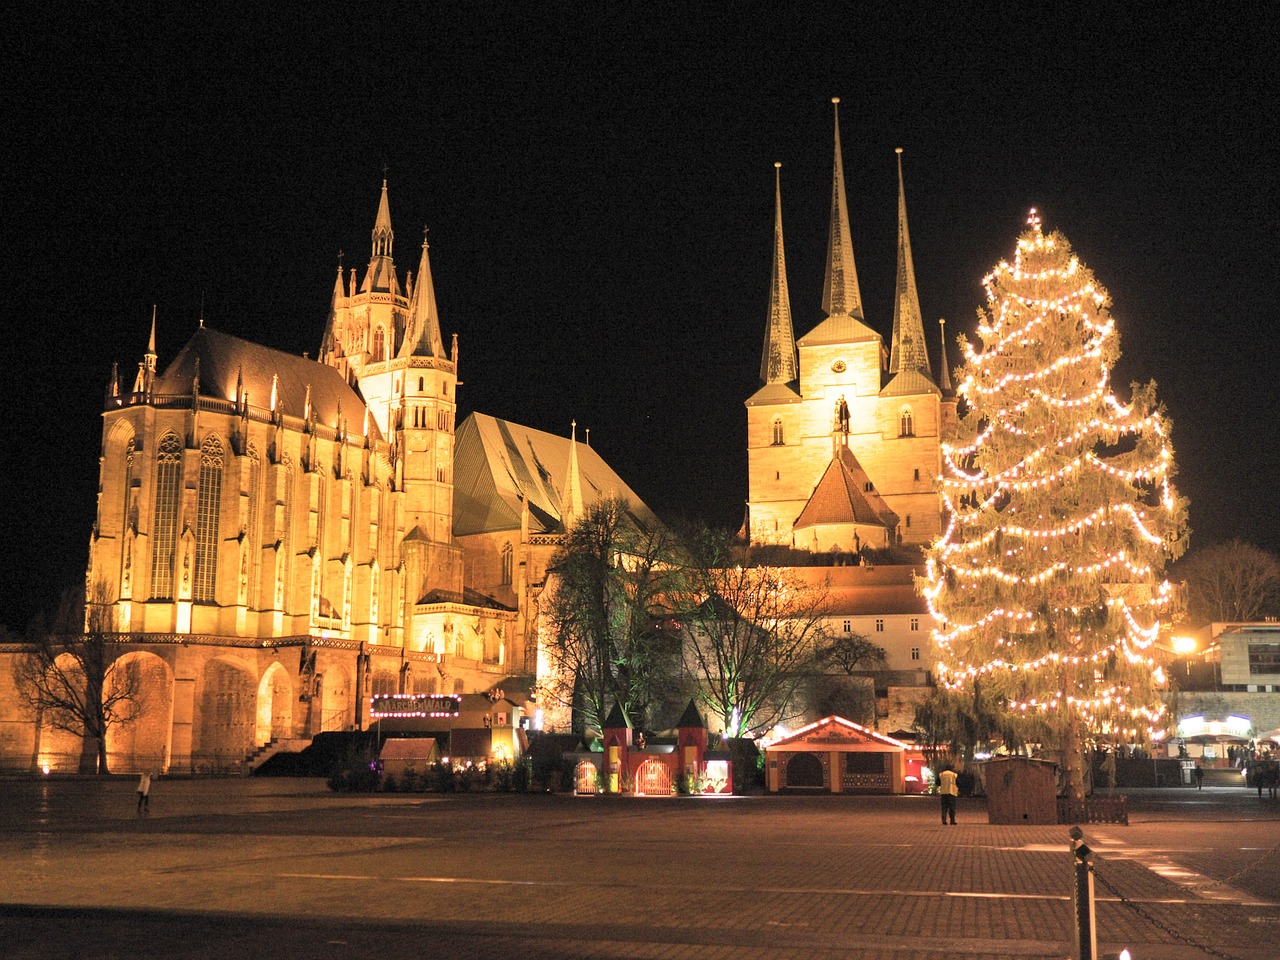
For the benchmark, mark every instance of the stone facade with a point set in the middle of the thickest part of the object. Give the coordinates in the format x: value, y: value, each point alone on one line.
x: 274, y: 542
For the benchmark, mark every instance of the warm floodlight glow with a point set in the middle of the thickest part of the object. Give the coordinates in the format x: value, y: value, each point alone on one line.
x: 1184, y: 645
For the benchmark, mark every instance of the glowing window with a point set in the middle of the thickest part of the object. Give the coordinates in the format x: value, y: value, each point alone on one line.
x: 208, y: 513
x: 168, y: 490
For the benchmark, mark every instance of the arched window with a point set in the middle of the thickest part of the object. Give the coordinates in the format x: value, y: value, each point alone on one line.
x: 778, y: 438
x: 905, y: 425
x: 508, y: 557
x: 208, y: 513
x: 379, y: 345
x: 168, y: 492
x: 421, y: 384
x: 253, y: 536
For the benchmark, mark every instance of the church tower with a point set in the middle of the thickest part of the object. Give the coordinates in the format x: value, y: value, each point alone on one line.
x: 387, y: 341
x: 844, y: 455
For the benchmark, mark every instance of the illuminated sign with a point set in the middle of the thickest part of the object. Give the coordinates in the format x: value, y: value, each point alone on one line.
x: 414, y: 705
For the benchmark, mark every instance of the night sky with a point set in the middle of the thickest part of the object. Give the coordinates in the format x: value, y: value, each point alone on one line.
x: 600, y: 198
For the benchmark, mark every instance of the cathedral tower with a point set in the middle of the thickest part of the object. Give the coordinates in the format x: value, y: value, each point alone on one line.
x: 844, y: 455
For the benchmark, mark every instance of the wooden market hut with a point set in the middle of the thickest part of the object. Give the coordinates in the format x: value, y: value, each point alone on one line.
x: 835, y: 755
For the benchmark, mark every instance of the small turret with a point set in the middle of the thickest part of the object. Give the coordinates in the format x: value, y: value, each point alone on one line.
x: 571, y: 507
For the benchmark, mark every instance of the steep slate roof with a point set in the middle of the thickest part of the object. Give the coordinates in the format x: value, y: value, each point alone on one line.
x: 855, y: 591
x: 499, y: 465
x: 223, y: 358
x: 841, y: 497
x: 909, y: 383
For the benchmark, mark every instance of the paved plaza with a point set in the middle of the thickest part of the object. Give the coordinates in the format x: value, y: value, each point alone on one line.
x: 285, y: 868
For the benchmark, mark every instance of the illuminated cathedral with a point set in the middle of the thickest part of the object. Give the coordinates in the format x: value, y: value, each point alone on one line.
x: 844, y: 435
x: 281, y: 539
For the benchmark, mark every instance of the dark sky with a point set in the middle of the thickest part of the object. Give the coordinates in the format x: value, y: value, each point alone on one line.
x: 599, y: 191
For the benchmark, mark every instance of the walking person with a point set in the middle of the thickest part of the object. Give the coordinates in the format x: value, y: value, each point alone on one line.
x: 948, y: 790
x: 144, y: 793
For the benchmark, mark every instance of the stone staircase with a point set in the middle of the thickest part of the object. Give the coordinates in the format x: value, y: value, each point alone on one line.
x: 270, y: 749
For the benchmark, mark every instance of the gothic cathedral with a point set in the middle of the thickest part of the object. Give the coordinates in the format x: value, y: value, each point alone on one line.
x: 844, y: 435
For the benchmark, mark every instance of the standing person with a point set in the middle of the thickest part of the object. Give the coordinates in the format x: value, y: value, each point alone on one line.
x: 144, y: 793
x: 1109, y: 771
x: 948, y: 790
x: 1198, y: 774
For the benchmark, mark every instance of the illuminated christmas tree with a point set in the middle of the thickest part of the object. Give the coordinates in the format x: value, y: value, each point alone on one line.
x: 1047, y: 580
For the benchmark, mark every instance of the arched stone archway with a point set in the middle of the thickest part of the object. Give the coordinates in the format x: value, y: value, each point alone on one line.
x: 335, y: 699
x: 226, y: 711
x: 275, y: 705
x: 60, y: 750
x: 143, y: 742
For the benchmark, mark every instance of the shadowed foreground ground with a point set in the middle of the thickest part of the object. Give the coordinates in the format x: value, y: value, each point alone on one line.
x: 284, y: 868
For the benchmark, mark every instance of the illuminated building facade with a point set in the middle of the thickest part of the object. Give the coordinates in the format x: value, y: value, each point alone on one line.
x: 844, y: 434
x: 275, y: 537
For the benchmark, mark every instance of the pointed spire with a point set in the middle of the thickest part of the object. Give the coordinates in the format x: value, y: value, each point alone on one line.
x: 571, y: 508
x: 329, y: 343
x: 275, y: 392
x: 840, y: 293
x: 306, y: 405
x: 779, y: 363
x: 944, y: 374
x: 424, y: 318
x: 908, y: 351
x: 382, y: 232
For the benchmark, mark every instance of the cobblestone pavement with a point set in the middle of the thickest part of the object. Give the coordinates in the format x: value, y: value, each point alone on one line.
x: 234, y: 868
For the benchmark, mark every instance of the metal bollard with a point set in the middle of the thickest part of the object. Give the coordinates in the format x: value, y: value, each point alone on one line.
x: 1085, y: 929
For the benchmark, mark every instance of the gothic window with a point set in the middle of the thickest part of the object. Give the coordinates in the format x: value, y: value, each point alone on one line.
x: 778, y: 439
x: 905, y: 424
x: 168, y: 492
x: 208, y: 513
x: 442, y: 420
x: 286, y: 534
x: 379, y: 344
x: 322, y: 508
x: 254, y: 533
x: 508, y: 557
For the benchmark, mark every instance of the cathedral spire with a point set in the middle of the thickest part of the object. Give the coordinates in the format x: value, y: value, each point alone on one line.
x: 382, y: 232
x: 779, y: 363
x: 840, y: 293
x: 382, y: 269
x: 908, y: 351
x: 329, y: 343
x: 424, y: 338
x: 944, y: 372
x: 571, y: 508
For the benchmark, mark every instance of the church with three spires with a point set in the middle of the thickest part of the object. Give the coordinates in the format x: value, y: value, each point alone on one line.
x: 280, y: 540
x: 844, y: 435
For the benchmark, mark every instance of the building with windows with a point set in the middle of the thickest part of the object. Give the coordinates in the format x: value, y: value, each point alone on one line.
x: 844, y: 434
x: 1230, y: 687
x: 279, y: 539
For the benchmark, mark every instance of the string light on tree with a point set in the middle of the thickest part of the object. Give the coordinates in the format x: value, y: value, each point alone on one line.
x: 1048, y: 579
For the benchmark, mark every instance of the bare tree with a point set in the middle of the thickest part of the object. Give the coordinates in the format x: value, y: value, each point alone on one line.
x: 1230, y: 582
x: 603, y: 644
x: 851, y: 653
x: 749, y: 636
x: 68, y: 681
